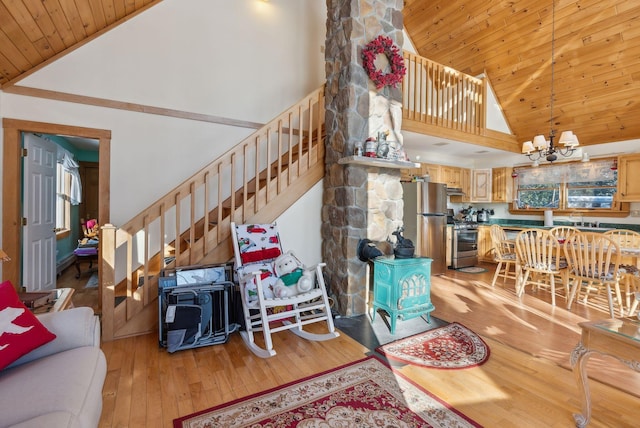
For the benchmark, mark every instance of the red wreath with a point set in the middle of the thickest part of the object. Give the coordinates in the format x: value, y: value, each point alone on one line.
x: 383, y: 45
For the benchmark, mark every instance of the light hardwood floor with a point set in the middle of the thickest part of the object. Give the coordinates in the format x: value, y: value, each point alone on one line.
x: 526, y: 382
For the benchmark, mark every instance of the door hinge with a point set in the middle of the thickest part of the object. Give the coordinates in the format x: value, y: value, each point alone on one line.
x: 24, y: 221
x: 24, y: 152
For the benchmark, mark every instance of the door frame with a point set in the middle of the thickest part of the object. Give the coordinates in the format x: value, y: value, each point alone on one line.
x: 12, y: 182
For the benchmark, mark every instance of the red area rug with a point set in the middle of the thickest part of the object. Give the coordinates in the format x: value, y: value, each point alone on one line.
x: 366, y: 393
x: 450, y: 347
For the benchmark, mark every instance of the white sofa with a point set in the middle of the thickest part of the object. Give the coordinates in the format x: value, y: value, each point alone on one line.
x: 60, y: 383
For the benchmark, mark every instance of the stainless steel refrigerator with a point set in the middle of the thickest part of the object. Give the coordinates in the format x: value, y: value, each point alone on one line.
x: 425, y: 221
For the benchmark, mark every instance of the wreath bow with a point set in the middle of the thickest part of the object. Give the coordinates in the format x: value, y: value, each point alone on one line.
x: 383, y: 45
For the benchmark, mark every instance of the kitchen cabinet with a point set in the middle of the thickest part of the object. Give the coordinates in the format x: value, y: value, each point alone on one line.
x: 485, y: 253
x: 407, y: 174
x: 451, y: 176
x: 481, y: 185
x: 433, y: 171
x: 629, y: 178
x: 501, y: 184
x: 465, y: 185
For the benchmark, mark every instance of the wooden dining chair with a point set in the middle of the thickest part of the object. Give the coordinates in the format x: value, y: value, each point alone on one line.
x: 561, y: 233
x: 504, y: 253
x: 593, y: 260
x: 539, y: 257
x: 629, y: 243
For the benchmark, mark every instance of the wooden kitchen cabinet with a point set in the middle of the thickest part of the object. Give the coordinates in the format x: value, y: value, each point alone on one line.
x: 433, y: 171
x: 407, y: 174
x: 451, y: 176
x: 465, y: 185
x: 501, y: 184
x: 481, y: 185
x: 485, y: 246
x: 629, y: 178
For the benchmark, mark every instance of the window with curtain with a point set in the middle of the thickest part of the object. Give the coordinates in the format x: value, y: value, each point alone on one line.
x: 567, y: 186
x: 63, y: 199
x: 68, y: 189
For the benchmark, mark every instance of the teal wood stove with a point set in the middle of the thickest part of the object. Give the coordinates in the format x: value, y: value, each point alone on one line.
x: 402, y: 288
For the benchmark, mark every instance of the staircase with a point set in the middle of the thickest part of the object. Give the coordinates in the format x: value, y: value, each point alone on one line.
x: 258, y: 180
x: 254, y: 182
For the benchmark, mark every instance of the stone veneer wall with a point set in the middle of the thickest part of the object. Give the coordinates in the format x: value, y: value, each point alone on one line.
x: 358, y: 201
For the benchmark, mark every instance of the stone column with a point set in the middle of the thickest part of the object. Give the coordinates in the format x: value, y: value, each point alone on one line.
x: 359, y: 201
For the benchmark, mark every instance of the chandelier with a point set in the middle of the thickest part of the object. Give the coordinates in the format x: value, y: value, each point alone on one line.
x: 540, y: 147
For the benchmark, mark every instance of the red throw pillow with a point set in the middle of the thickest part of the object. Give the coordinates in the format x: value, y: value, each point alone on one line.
x: 20, y: 330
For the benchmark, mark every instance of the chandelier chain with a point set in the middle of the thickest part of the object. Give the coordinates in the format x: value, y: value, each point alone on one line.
x: 553, y: 63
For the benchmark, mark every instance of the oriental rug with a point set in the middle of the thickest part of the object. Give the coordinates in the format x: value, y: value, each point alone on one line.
x: 450, y: 347
x: 366, y: 393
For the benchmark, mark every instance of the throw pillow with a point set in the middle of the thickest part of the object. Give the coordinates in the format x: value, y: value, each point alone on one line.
x: 20, y: 330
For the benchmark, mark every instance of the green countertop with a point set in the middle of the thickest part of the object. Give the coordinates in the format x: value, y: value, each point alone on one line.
x: 525, y: 224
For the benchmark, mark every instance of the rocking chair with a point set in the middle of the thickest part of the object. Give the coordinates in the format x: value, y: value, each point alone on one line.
x: 256, y: 246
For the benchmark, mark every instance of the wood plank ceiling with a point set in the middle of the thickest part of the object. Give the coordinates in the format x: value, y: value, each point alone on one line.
x: 35, y: 32
x: 597, y: 53
x: 597, y: 59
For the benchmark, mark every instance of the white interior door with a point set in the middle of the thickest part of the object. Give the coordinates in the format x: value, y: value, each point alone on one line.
x: 39, y: 209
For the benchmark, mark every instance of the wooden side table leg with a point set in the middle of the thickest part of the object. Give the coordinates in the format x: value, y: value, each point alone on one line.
x: 78, y: 267
x: 579, y: 357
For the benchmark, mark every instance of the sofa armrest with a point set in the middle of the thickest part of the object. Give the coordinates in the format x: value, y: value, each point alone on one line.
x: 73, y: 328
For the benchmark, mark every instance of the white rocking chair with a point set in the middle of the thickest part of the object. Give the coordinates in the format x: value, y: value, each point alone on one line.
x: 256, y: 246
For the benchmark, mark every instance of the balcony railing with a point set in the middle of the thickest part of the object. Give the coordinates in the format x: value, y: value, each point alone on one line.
x: 438, y: 95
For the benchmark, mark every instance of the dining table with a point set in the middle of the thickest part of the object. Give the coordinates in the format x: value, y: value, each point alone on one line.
x: 629, y: 271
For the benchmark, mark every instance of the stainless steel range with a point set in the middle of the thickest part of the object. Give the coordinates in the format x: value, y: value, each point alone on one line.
x: 464, y: 249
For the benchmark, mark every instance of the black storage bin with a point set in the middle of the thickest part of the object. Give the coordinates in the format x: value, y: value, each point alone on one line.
x: 196, y: 307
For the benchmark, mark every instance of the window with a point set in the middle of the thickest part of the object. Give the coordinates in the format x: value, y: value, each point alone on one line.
x: 63, y: 200
x: 567, y: 186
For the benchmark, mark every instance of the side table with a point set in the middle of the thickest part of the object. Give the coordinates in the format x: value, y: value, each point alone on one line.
x: 61, y: 302
x: 402, y: 287
x: 618, y: 338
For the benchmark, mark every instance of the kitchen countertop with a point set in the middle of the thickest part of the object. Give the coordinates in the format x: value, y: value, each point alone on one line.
x: 510, y: 224
x: 527, y: 224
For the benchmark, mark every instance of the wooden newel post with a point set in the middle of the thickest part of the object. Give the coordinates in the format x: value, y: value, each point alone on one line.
x: 107, y: 268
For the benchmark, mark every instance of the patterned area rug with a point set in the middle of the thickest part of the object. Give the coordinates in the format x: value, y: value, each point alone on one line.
x: 472, y: 269
x: 366, y: 393
x: 450, y: 347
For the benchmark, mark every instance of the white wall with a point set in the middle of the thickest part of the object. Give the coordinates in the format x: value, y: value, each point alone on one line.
x: 300, y: 226
x: 243, y: 59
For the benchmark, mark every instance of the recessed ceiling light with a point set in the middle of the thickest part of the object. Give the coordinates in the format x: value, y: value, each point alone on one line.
x: 482, y: 151
x: 442, y: 143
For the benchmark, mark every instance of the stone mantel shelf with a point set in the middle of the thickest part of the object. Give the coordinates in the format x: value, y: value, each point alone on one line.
x: 376, y: 162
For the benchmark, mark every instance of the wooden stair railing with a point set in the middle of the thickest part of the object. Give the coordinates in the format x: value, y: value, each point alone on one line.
x: 255, y: 181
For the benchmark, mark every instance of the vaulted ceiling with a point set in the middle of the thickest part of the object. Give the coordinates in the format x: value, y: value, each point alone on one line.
x: 597, y: 59
x: 597, y: 53
x: 35, y: 32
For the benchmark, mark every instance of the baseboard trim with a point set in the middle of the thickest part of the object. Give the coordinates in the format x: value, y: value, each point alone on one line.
x: 64, y: 263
